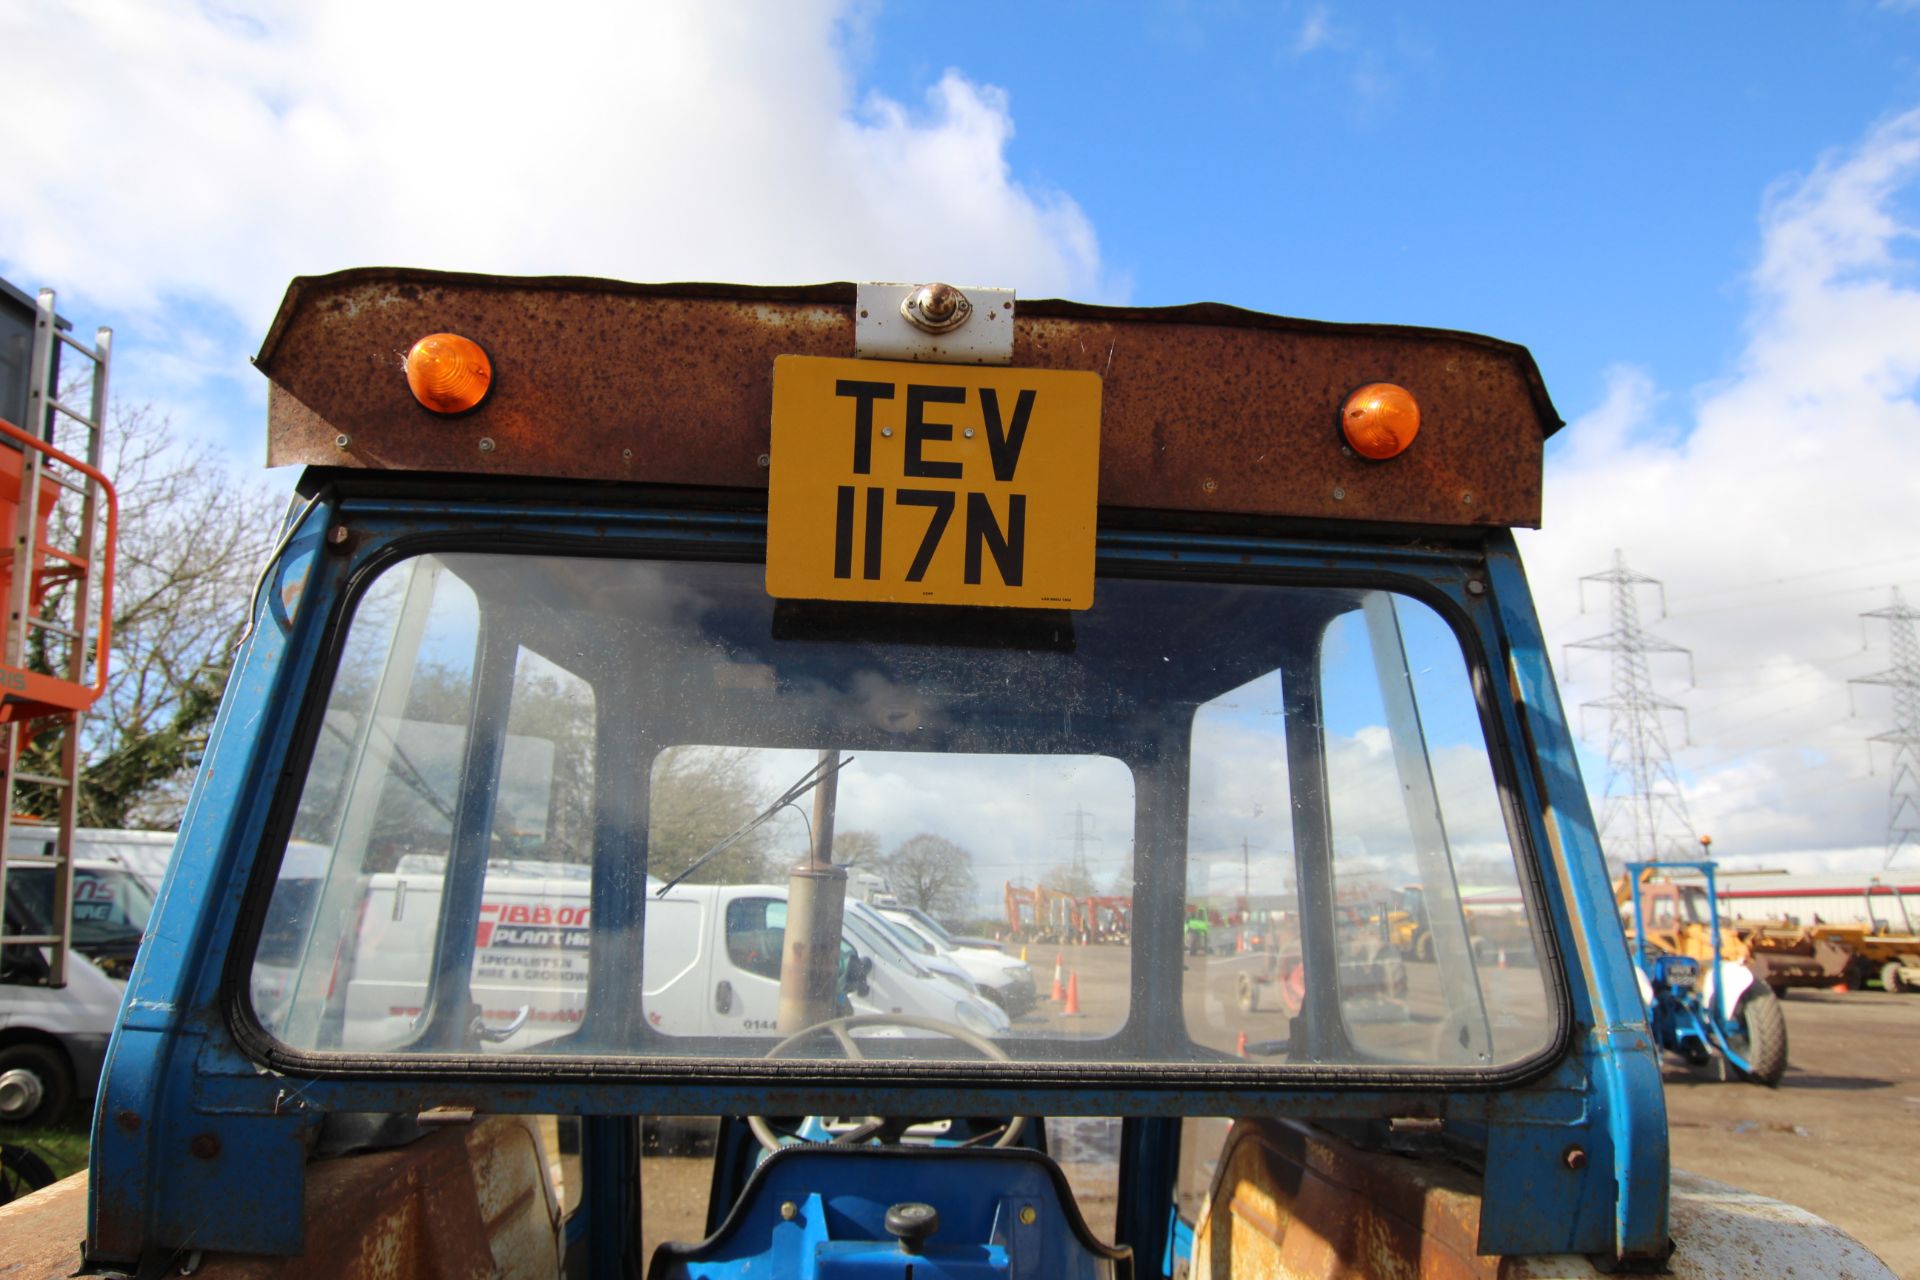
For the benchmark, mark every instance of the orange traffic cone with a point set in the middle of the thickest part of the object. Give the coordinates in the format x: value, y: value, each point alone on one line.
x: 1241, y: 1047
x: 1059, y: 974
x: 1073, y: 997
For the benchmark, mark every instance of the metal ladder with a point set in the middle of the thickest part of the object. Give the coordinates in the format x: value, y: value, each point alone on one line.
x: 54, y: 660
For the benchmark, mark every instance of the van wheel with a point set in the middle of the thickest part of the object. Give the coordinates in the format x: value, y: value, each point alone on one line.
x: 1762, y: 1035
x: 36, y: 1085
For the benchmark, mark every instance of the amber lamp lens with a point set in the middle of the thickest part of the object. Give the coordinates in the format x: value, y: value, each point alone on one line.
x: 448, y: 373
x: 1380, y: 420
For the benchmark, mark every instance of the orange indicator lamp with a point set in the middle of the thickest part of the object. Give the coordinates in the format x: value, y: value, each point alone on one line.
x: 1380, y: 420
x: 448, y: 373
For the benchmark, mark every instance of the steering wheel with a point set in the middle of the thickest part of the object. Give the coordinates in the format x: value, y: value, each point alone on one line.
x: 842, y: 1029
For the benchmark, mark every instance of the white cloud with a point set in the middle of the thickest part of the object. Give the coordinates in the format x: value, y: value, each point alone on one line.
x: 1776, y: 504
x: 193, y: 155
x: 1316, y: 30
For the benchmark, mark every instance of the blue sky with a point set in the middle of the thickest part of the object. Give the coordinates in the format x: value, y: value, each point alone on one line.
x: 1584, y: 179
x: 1700, y: 218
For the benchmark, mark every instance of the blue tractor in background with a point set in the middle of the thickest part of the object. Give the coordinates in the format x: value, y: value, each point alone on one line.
x: 1702, y: 1007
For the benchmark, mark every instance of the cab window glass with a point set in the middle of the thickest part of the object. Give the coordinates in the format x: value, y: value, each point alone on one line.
x: 552, y: 804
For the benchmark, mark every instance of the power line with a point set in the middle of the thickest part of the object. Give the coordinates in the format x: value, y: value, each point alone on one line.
x: 1828, y: 571
x: 1641, y: 803
x: 1903, y: 677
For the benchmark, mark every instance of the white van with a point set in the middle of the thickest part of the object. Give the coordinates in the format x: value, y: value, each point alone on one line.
x: 1006, y: 980
x: 712, y: 964
x: 145, y: 853
x: 54, y: 1040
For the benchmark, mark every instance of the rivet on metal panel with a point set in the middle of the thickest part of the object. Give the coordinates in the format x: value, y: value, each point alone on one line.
x: 338, y: 535
x: 1028, y: 1215
x: 968, y: 433
x: 1575, y: 1158
x: 1475, y: 587
x: 765, y: 460
x: 1466, y: 498
x: 486, y: 444
x: 626, y: 455
x: 342, y: 441
x: 1339, y: 494
x: 204, y: 1146
x: 936, y: 308
x: 1209, y: 485
x: 886, y: 431
x: 129, y: 1121
x: 789, y: 1210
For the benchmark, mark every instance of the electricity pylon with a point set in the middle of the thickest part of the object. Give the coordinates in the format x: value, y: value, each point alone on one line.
x: 1642, y: 804
x: 1903, y: 677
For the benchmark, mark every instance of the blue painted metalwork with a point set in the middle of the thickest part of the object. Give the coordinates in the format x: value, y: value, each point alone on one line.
x: 1149, y: 1174
x: 820, y: 1211
x: 1626, y: 1130
x: 200, y: 1145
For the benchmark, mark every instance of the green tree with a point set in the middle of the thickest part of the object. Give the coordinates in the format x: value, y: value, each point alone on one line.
x: 932, y: 873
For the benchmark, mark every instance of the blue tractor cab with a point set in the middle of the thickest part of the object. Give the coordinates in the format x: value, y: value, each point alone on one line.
x: 607, y: 631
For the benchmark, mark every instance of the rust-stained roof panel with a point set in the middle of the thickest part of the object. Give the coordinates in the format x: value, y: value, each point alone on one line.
x: 1205, y: 408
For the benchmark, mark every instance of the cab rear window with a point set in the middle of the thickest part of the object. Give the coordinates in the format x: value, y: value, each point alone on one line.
x: 550, y: 805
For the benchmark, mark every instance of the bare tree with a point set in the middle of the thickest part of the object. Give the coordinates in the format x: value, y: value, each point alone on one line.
x: 1076, y: 881
x: 856, y: 849
x: 191, y: 540
x: 697, y: 798
x: 932, y: 873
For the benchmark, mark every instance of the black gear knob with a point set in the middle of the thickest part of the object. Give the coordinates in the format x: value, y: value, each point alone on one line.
x: 912, y: 1222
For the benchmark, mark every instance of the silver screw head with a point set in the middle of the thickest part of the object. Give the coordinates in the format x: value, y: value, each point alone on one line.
x: 342, y: 441
x: 936, y: 308
x: 486, y: 444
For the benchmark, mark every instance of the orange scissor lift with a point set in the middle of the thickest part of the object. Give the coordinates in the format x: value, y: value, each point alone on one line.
x: 56, y: 582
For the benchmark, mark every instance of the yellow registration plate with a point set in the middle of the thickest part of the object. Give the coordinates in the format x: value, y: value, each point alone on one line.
x: 932, y: 484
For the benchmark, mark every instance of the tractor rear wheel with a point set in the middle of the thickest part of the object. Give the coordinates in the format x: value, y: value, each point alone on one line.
x: 1762, y: 1035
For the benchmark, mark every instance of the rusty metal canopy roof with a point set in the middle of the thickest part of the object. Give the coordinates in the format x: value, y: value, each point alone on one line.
x: 1206, y: 408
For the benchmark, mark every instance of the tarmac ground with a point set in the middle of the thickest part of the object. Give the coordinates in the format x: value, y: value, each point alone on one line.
x: 1840, y: 1136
